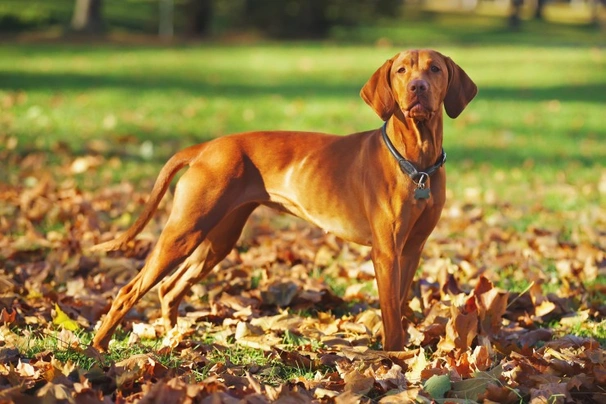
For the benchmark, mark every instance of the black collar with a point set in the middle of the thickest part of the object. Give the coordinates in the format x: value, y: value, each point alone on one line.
x: 418, y: 177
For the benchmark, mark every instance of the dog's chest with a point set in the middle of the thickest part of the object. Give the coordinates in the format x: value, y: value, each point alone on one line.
x: 330, y: 218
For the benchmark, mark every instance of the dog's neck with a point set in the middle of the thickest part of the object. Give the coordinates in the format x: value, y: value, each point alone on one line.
x: 418, y: 142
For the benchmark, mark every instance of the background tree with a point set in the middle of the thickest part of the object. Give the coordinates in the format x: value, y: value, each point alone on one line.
x: 597, y: 13
x: 166, y: 23
x: 388, y: 8
x: 312, y: 18
x: 515, y: 14
x: 199, y: 17
x: 538, y: 10
x: 88, y: 16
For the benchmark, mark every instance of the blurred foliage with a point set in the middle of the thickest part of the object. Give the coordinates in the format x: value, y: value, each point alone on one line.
x: 129, y: 15
x: 275, y: 18
x: 15, y: 17
x: 306, y: 18
x: 280, y: 18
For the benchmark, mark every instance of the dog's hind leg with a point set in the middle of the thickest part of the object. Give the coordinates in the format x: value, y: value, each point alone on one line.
x: 196, y: 211
x: 209, y: 253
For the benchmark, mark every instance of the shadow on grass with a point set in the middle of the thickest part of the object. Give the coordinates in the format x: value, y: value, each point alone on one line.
x: 294, y: 86
x: 518, y: 158
x: 595, y: 92
x: 288, y: 87
x: 17, y: 80
x: 460, y: 157
x: 470, y: 29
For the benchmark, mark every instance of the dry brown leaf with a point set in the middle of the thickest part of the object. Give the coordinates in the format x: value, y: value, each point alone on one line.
x: 357, y: 383
x: 27, y: 370
x: 462, y: 327
x: 550, y: 393
x: 415, y: 366
x: 7, y: 316
x: 55, y: 392
x: 492, y: 304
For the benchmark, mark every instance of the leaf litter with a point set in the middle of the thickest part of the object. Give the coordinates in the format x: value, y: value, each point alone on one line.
x: 497, y: 314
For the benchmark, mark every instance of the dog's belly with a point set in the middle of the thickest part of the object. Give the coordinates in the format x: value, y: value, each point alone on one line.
x: 348, y: 227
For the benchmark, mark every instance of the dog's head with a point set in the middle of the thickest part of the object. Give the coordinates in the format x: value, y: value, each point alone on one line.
x: 418, y: 82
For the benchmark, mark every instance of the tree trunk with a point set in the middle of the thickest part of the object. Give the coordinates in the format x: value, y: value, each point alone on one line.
x: 87, y: 16
x: 514, y: 16
x: 538, y: 11
x: 200, y: 17
x: 166, y: 27
x: 388, y: 8
x: 596, y: 13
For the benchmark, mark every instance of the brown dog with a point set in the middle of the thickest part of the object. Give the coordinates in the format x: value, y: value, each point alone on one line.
x: 384, y: 188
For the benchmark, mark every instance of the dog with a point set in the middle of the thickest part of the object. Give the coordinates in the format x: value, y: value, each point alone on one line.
x: 384, y: 188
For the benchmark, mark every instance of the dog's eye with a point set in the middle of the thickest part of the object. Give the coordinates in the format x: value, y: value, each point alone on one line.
x: 402, y: 70
x: 435, y: 69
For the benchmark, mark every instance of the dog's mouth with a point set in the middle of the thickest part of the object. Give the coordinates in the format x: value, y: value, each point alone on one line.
x: 418, y: 111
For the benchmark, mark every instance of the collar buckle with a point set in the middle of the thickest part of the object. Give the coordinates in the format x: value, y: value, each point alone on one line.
x: 419, y: 178
x: 422, y: 179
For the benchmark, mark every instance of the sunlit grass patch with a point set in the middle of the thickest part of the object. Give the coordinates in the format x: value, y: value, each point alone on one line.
x: 581, y: 326
x: 65, y: 347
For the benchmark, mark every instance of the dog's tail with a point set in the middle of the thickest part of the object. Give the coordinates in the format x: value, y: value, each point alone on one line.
x: 170, y: 169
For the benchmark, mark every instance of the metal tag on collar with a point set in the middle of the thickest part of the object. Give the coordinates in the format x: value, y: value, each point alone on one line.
x: 422, y: 191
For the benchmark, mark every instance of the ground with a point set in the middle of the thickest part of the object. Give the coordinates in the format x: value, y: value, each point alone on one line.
x: 508, y: 303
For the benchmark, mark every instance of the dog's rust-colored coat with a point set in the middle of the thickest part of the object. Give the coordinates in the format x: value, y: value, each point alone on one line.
x: 348, y: 185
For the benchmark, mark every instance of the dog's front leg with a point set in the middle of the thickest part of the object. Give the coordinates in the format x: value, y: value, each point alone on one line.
x: 409, y: 262
x: 387, y: 269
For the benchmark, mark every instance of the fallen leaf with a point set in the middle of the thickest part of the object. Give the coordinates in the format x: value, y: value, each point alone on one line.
x: 415, y: 366
x: 461, y: 328
x: 473, y: 388
x: 62, y: 320
x: 357, y: 383
x: 437, y: 386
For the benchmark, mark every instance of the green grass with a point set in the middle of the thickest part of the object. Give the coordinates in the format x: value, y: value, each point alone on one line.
x: 32, y: 345
x: 593, y: 329
x: 537, y: 120
x: 268, y: 368
x: 271, y: 369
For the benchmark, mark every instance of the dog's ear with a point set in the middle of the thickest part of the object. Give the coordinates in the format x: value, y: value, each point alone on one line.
x: 377, y: 92
x: 461, y: 89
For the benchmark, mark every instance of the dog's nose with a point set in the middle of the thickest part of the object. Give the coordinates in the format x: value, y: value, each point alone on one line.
x: 418, y: 86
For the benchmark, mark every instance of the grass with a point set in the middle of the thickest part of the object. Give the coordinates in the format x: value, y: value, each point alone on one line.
x: 32, y: 345
x: 593, y: 329
x: 271, y: 369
